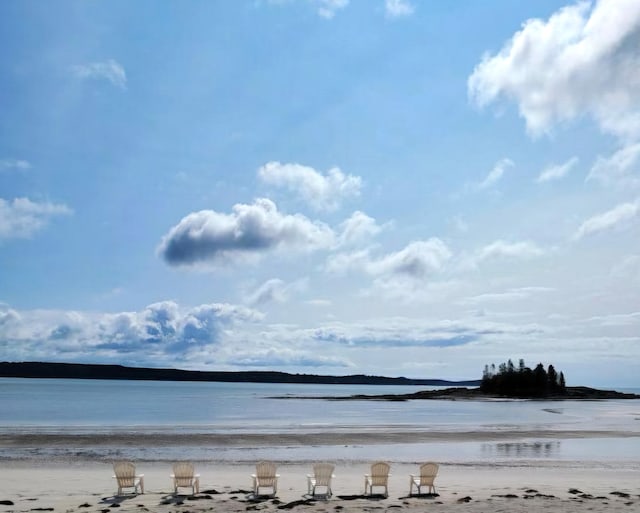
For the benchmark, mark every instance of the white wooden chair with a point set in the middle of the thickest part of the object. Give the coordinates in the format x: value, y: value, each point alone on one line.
x: 126, y: 477
x: 320, y: 479
x: 379, y: 477
x: 184, y: 476
x: 265, y: 477
x: 428, y: 473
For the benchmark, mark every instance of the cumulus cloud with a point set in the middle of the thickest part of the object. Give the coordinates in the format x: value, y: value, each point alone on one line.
x: 358, y: 227
x: 160, y: 331
x: 557, y: 171
x: 250, y: 230
x: 582, y: 60
x: 398, y: 8
x: 496, y: 173
x: 109, y: 70
x: 416, y: 261
x: 8, y: 164
x: 617, y: 218
x: 618, y: 167
x: 321, y: 192
x: 21, y: 218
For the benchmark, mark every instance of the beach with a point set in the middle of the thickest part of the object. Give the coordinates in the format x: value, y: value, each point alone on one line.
x: 75, y: 487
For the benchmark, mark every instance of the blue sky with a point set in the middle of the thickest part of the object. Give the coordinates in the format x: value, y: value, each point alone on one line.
x: 392, y: 187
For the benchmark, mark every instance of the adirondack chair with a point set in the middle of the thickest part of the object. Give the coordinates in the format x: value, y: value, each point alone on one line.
x: 428, y: 473
x: 265, y: 477
x: 379, y: 477
x: 320, y: 479
x: 184, y: 477
x: 126, y: 477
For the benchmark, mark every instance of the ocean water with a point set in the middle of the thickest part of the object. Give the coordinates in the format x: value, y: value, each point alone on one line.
x: 95, y: 409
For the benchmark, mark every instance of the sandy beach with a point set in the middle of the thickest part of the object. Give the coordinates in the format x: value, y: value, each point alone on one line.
x: 81, y: 486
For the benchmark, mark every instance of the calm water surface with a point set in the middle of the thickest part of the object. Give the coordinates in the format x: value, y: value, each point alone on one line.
x: 97, y: 406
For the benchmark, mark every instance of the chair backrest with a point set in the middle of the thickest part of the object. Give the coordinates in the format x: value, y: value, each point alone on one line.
x: 266, y: 472
x: 323, y: 473
x: 125, y: 473
x: 428, y: 472
x: 380, y: 473
x: 183, y: 472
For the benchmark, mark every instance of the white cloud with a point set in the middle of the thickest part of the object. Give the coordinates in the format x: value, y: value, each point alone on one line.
x: 321, y: 192
x: 21, y: 218
x: 414, y: 262
x: 358, y: 227
x: 618, y: 167
x: 398, y: 8
x: 503, y: 249
x: 328, y: 8
x: 557, y: 171
x: 496, y: 173
x: 618, y: 217
x: 20, y: 165
x: 160, y: 332
x: 275, y: 290
x: 251, y: 230
x: 506, y: 296
x: 109, y: 70
x: 582, y: 60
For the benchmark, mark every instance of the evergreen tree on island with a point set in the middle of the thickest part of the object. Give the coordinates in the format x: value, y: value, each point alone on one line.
x: 522, y: 382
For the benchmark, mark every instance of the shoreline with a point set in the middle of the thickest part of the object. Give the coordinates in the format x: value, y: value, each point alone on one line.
x: 380, y: 435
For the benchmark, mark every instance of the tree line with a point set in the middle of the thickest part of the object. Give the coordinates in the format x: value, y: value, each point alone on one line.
x: 521, y: 381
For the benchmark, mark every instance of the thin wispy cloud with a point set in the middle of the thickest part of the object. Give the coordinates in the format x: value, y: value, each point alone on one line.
x: 328, y: 8
x: 618, y: 217
x: 557, y: 171
x: 496, y: 173
x: 622, y: 167
x: 14, y: 164
x: 110, y: 70
x: 22, y: 218
x: 398, y: 8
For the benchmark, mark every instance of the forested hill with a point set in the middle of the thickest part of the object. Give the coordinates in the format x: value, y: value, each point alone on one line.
x: 95, y: 371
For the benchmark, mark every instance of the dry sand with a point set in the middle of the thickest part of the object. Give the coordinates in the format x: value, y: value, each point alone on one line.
x: 82, y: 487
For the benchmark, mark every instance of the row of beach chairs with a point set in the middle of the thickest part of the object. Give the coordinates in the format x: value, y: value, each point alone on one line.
x: 265, y: 479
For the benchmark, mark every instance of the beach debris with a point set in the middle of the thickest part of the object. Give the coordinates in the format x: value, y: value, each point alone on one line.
x: 6, y: 503
x: 624, y: 495
x: 506, y: 496
x: 41, y: 509
x: 574, y: 491
x: 464, y: 499
x: 85, y: 505
x: 302, y: 502
x: 199, y: 497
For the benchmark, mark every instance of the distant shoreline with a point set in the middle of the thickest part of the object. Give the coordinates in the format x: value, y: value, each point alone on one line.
x: 44, y: 370
x: 462, y: 393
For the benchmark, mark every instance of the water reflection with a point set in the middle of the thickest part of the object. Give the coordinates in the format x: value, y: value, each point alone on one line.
x: 521, y: 449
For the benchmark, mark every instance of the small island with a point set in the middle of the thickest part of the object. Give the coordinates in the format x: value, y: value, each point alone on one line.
x: 503, y: 382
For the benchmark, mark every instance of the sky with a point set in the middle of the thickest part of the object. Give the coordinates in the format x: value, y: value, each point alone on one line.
x: 387, y: 187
